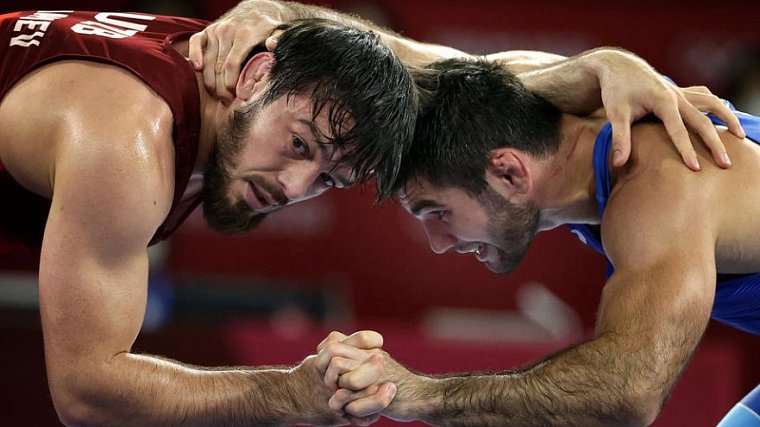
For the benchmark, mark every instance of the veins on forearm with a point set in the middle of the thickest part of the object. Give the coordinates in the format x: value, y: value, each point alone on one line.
x: 168, y: 392
x: 285, y: 11
x: 573, y: 84
x: 570, y: 85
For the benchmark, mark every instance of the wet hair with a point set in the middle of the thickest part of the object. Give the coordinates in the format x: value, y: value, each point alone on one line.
x: 369, y: 94
x: 470, y: 107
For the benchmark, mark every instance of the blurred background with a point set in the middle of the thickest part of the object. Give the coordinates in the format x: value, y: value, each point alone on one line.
x: 340, y: 262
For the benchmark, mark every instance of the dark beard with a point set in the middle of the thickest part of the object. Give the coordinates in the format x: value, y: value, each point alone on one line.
x: 512, y: 226
x: 221, y: 214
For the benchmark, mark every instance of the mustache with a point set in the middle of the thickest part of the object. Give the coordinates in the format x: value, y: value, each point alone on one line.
x: 278, y: 195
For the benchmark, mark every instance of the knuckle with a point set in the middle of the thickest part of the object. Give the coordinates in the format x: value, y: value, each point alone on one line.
x: 224, y: 28
x: 704, y: 122
x: 346, y: 381
x: 668, y: 97
x: 342, y: 394
x: 333, y: 347
x: 230, y: 66
x: 245, y: 32
x: 341, y: 364
x: 376, y: 361
x: 711, y: 98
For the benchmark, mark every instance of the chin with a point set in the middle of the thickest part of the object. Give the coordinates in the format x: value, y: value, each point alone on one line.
x: 500, y: 268
x: 231, y: 220
x: 505, y: 263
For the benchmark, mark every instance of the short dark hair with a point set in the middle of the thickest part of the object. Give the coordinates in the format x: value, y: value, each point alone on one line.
x: 353, y: 74
x: 470, y: 107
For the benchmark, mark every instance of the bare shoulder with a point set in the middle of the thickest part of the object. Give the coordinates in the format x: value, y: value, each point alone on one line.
x: 657, y: 206
x: 92, y: 114
x: 95, y: 139
x: 664, y: 206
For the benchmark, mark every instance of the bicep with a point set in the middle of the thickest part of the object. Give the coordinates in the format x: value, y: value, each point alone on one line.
x: 92, y: 283
x: 112, y: 188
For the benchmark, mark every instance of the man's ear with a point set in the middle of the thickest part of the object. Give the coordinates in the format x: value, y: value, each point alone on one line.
x: 254, y: 75
x: 508, y: 169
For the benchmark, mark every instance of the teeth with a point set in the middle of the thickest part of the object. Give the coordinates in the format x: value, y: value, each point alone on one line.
x: 478, y: 249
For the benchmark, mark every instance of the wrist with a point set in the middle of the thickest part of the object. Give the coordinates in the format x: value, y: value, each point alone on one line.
x: 305, y: 396
x: 600, y: 63
x: 606, y: 63
x: 417, y: 398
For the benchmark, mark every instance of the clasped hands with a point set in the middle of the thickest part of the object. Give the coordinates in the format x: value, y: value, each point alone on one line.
x: 364, y: 379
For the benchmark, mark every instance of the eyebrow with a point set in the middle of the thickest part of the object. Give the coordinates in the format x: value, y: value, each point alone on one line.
x: 419, y: 205
x: 322, y: 144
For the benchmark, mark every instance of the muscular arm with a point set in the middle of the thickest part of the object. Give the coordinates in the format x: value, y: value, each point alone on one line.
x: 412, y: 52
x: 653, y: 312
x: 628, y: 89
x: 221, y: 48
x: 112, y: 183
x: 580, y: 85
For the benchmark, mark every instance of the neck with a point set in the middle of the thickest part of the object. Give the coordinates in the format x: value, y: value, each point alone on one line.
x: 211, y: 108
x: 566, y: 179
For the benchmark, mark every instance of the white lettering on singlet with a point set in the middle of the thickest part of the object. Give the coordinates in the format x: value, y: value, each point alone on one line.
x: 38, y: 22
x: 112, y: 25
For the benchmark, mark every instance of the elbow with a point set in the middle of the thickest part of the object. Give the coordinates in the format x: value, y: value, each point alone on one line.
x: 641, y: 406
x: 643, y: 414
x: 74, y: 404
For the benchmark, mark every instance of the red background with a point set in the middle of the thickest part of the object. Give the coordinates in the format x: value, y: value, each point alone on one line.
x: 375, y: 259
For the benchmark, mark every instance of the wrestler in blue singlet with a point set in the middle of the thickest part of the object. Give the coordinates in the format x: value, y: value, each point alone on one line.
x: 737, y: 297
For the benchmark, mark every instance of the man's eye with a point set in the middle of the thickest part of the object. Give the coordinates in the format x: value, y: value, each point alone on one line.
x: 439, y: 214
x: 327, y: 180
x: 300, y: 147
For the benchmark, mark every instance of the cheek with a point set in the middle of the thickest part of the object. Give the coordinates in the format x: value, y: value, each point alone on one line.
x: 260, y: 155
x: 472, y: 229
x: 435, y: 227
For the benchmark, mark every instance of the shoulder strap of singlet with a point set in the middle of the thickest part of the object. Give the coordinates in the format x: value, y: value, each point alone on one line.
x: 750, y: 123
x: 602, y: 148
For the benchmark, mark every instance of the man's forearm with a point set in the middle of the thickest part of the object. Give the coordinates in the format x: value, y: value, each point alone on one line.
x: 138, y: 390
x: 411, y: 52
x: 574, y: 84
x: 588, y: 385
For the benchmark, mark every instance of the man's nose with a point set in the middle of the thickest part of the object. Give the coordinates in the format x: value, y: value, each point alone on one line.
x: 440, y: 241
x: 302, y: 182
